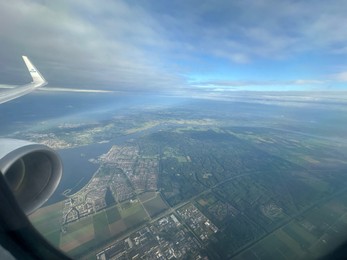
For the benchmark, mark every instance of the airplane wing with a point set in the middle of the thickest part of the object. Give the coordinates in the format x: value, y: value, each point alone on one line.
x: 38, y: 81
x: 35, y: 74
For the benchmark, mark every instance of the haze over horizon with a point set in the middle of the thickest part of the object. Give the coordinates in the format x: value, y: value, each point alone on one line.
x: 177, y: 47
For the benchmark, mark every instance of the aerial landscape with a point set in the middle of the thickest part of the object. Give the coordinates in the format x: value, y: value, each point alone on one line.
x: 186, y: 129
x: 192, y: 181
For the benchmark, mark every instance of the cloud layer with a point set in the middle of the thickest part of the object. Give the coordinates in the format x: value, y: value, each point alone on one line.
x: 165, y: 45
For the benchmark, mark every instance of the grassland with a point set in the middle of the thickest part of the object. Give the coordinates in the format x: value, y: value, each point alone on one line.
x: 147, y: 196
x: 113, y: 214
x: 102, y: 231
x: 155, y: 205
x: 78, y: 235
x: 88, y: 233
x: 47, y: 221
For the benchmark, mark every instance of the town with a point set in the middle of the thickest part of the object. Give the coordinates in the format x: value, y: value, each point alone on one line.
x: 166, y: 238
x: 122, y: 172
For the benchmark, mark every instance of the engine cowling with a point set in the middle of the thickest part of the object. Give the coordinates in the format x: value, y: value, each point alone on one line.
x: 32, y: 171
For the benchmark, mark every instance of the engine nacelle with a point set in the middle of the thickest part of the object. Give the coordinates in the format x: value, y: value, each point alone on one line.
x: 32, y: 171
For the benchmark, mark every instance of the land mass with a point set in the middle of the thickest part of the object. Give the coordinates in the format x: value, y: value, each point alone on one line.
x: 201, y: 183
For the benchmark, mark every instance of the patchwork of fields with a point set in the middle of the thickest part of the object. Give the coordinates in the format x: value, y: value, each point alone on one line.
x: 91, y: 232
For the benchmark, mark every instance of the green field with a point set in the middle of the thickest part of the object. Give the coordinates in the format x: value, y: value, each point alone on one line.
x: 101, y: 229
x: 48, y: 218
x: 83, y: 222
x: 92, y: 231
x: 78, y: 234
x: 47, y: 221
x: 113, y: 214
x: 147, y: 196
x: 155, y: 205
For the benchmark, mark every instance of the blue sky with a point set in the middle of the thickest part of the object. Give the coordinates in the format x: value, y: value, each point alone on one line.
x: 178, y: 46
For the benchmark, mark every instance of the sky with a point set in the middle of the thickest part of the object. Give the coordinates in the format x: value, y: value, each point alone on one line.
x: 175, y: 46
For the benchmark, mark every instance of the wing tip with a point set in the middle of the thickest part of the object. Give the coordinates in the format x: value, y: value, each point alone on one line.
x: 35, y: 74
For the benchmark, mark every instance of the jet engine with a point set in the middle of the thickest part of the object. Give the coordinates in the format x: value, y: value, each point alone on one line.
x: 32, y: 171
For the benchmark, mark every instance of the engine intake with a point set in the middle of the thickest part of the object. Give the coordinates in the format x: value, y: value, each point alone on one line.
x: 32, y: 171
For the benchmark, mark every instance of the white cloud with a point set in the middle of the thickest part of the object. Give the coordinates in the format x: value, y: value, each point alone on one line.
x: 151, y: 45
x: 247, y: 83
x: 342, y: 76
x: 84, y: 43
x: 268, y: 29
x: 308, y: 82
